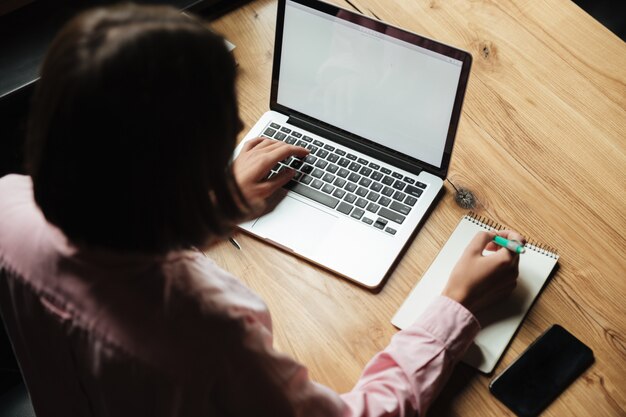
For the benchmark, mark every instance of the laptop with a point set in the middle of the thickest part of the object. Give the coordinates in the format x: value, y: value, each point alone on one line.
x: 378, y: 108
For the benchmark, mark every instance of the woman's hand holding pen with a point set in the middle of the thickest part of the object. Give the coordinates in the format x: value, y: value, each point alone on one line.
x: 254, y: 163
x: 478, y: 281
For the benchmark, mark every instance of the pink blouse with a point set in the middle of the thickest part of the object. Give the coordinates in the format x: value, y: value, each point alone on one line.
x: 108, y: 334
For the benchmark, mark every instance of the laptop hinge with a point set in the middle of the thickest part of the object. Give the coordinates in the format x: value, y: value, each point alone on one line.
x: 357, y: 145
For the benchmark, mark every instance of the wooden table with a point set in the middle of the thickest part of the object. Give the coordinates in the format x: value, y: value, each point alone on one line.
x: 542, y: 142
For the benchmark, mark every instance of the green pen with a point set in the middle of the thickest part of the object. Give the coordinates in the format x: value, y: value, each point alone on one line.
x: 514, y: 246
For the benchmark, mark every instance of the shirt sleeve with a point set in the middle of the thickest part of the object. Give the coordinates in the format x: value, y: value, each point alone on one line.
x: 399, y: 381
x: 407, y: 376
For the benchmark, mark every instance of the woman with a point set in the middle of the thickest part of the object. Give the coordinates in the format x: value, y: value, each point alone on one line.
x: 109, y: 310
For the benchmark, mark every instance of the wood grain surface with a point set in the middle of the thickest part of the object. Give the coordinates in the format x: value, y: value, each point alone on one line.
x: 541, y: 142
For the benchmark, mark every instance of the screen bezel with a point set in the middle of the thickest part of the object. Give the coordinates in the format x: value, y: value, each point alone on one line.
x: 360, y: 143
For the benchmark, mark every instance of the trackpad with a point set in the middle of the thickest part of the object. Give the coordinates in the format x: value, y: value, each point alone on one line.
x: 295, y: 225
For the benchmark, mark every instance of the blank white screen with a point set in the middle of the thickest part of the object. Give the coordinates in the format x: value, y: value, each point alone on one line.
x: 367, y: 83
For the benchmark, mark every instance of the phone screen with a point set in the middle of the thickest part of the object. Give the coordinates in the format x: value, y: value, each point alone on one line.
x: 552, y: 362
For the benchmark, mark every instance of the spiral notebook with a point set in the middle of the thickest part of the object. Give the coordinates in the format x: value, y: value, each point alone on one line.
x: 499, y: 322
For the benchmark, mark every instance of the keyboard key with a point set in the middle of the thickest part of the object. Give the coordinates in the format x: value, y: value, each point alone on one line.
x: 301, y: 143
x: 367, y: 220
x: 313, y: 149
x: 329, y: 148
x: 317, y: 184
x: 397, y: 175
x: 400, y: 208
x: 384, y: 201
x: 350, y: 198
x: 376, y: 186
x: 297, y: 175
x: 321, y: 164
x: 285, y: 129
x: 354, y: 177
x: 297, y: 134
x: 350, y: 187
x: 343, y: 172
x: 339, y: 182
x: 290, y: 140
x: 385, y: 170
x: 269, y: 131
x: 351, y: 157
x: 376, y: 176
x: 296, y: 163
x: 420, y: 184
x: 306, y: 179
x: 388, y: 180
x: 361, y: 202
x: 310, y: 159
x: 343, y: 162
x: 363, y: 161
x: 307, y: 138
x: 280, y: 136
x: 361, y: 192
x: 365, y: 182
x: 318, y: 142
x: 372, y: 196
x: 415, y: 192
x: 275, y: 125
x: 340, y: 152
x: 365, y: 171
x: 354, y: 167
x: 344, y: 208
x: 333, y: 157
x: 388, y: 191
x: 408, y: 180
x: 328, y: 188
x: 307, y: 169
x: 380, y: 223
x: 410, y: 201
x: 390, y: 230
x: 314, y: 195
x: 399, y: 185
x: 339, y: 193
x: 322, y: 153
x: 332, y: 168
x: 357, y: 213
x: 329, y: 178
x: 374, y: 166
x: 398, y: 196
x: 391, y: 215
x: 317, y: 173
x: 372, y: 207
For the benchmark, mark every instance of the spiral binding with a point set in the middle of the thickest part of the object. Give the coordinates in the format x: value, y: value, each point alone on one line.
x: 491, y: 225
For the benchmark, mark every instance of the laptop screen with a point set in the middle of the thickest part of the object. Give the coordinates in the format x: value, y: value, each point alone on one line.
x: 361, y: 76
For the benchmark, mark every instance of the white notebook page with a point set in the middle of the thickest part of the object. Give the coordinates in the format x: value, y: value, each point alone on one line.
x: 500, y: 321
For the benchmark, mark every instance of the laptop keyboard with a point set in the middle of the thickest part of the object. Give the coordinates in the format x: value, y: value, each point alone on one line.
x: 353, y: 186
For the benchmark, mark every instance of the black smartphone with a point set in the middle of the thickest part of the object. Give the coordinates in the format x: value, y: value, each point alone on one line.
x: 552, y: 362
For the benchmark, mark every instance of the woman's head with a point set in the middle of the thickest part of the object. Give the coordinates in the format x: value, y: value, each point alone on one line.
x: 132, y: 128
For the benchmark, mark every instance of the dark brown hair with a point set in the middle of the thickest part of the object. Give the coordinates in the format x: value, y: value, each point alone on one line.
x: 132, y: 128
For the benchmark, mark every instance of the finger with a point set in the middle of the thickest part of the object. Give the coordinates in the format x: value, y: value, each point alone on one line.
x: 285, y: 151
x: 252, y: 143
x: 505, y: 257
x: 512, y: 235
x: 479, y: 242
x: 270, y: 186
x: 266, y: 144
